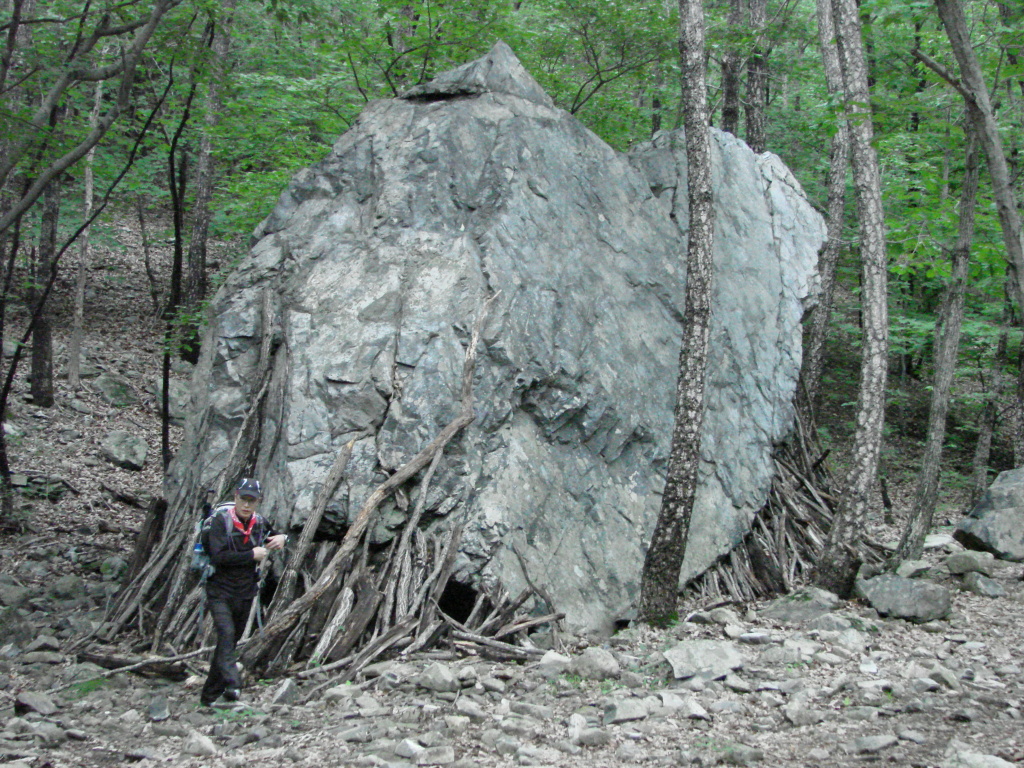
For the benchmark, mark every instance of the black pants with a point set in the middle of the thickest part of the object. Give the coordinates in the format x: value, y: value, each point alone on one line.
x: 229, y: 617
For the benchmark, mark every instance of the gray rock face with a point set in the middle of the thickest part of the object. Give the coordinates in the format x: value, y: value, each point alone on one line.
x: 901, y: 598
x: 377, y: 262
x: 996, y: 524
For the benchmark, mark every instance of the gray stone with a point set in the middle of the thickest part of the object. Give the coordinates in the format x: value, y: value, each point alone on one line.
x: 624, y: 710
x: 30, y: 701
x: 800, y: 607
x: 982, y: 585
x: 910, y: 569
x: 42, y: 657
x: 286, y: 692
x: 595, y: 664
x: 115, y: 390
x: 741, y: 754
x: 594, y: 737
x: 960, y: 755
x: 125, y: 450
x: 996, y: 524
x: 49, y: 734
x: 159, y: 709
x: 970, y: 561
x: 440, y: 678
x: 873, y: 744
x: 340, y: 693
x: 14, y: 596
x: 378, y: 260
x: 199, y: 745
x: 68, y: 586
x: 470, y: 708
x: 709, y: 659
x: 800, y: 715
x: 911, y: 599
x: 552, y: 664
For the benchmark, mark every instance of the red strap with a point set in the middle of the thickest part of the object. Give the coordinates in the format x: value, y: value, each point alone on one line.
x: 240, y: 527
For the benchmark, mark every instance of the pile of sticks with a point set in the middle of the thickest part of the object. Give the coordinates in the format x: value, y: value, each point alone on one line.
x: 786, y: 535
x: 337, y: 605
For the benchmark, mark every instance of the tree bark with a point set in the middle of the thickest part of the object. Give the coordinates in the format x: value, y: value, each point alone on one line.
x: 814, y: 357
x: 195, y: 279
x: 41, y: 373
x: 75, y: 343
x: 974, y: 89
x: 947, y: 344
x: 982, y: 450
x: 659, y: 586
x: 731, y: 71
x: 840, y: 559
x: 757, y: 79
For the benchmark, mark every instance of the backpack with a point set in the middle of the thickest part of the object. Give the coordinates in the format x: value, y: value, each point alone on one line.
x: 201, y: 551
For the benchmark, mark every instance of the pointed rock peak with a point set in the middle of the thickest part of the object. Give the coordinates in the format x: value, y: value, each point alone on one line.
x: 497, y: 72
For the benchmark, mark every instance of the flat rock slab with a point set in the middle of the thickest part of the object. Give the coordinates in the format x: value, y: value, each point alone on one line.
x: 911, y: 599
x: 710, y: 659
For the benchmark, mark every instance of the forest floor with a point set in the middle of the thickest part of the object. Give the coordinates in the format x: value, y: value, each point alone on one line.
x: 850, y: 690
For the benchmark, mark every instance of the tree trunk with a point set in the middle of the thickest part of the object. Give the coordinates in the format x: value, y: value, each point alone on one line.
x: 982, y: 450
x: 195, y: 279
x: 974, y: 89
x: 757, y: 78
x: 947, y: 345
x: 41, y: 374
x: 731, y: 71
x: 75, y: 343
x: 814, y: 357
x: 840, y: 557
x: 659, y: 586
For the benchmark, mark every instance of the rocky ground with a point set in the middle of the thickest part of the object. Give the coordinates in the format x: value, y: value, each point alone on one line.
x: 808, y: 681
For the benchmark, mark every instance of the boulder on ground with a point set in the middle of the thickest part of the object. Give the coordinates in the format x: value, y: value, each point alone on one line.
x: 377, y: 262
x: 900, y: 598
x: 996, y: 524
x: 125, y: 450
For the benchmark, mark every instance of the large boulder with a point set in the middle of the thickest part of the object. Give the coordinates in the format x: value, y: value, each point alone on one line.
x: 996, y: 524
x: 377, y: 262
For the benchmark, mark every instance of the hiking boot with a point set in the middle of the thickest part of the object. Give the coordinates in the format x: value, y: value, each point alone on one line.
x: 231, y: 694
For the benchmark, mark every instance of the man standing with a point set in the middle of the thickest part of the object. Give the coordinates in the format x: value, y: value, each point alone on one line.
x: 238, y: 542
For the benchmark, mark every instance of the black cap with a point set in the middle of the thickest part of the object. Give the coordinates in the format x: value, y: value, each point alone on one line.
x: 250, y: 487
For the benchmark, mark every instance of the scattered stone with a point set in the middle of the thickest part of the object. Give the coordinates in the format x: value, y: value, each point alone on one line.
x: 872, y: 744
x: 595, y: 664
x: 199, y: 745
x: 340, y: 693
x: 115, y: 390
x: 466, y: 706
x: 30, y: 701
x: 624, y: 710
x: 286, y: 692
x: 800, y: 715
x: 907, y: 734
x: 159, y: 709
x: 552, y: 664
x: 970, y: 561
x: 910, y: 599
x: 439, y: 678
x: 42, y: 657
x: 802, y: 606
x: 593, y: 737
x: 959, y: 755
x: 741, y: 754
x: 125, y: 450
x: 911, y: 569
x: 982, y: 585
x: 710, y: 659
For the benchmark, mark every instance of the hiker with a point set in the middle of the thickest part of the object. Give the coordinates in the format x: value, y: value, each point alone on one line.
x: 235, y: 550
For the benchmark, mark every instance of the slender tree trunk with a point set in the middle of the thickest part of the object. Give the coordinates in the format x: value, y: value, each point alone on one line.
x: 41, y: 373
x: 983, y: 449
x: 195, y: 279
x: 659, y: 586
x: 757, y: 79
x: 974, y: 89
x: 947, y: 345
x: 839, y: 155
x: 731, y: 71
x: 75, y: 343
x: 840, y: 559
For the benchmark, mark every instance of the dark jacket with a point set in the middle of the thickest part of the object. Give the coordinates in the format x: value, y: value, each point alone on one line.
x: 231, y: 555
